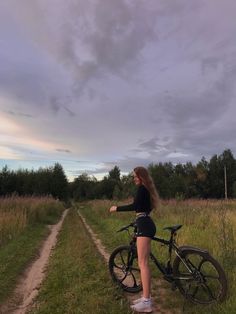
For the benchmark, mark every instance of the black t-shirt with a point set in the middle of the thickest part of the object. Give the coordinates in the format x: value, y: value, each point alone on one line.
x: 141, y: 203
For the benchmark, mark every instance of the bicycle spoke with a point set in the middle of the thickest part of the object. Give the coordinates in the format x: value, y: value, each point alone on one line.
x: 121, y: 280
x: 195, y: 291
x: 119, y: 267
x: 211, y: 277
x: 199, y: 263
x: 135, y: 282
x: 188, y: 292
x: 208, y: 290
x: 185, y: 275
x: 122, y: 259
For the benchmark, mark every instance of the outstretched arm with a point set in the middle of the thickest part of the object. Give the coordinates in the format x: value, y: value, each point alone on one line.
x: 124, y: 208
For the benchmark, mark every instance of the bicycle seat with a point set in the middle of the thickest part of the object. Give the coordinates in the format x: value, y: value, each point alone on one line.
x: 173, y: 228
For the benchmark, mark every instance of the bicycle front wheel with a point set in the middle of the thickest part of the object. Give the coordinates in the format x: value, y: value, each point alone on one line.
x: 123, y: 266
x: 206, y: 283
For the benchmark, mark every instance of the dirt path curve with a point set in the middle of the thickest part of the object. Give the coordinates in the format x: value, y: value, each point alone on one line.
x: 29, y: 283
x: 157, y: 308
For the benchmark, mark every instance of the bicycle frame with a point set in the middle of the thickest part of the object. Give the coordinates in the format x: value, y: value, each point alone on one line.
x: 165, y: 270
x: 193, y: 270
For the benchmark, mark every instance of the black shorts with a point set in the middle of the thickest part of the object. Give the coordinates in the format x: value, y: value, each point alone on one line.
x: 145, y: 227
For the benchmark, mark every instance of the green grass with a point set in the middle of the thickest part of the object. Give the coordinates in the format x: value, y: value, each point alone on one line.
x: 77, y: 278
x: 15, y: 256
x: 206, y: 224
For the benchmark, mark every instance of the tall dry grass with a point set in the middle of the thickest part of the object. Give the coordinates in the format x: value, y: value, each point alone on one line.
x: 206, y: 223
x: 16, y: 213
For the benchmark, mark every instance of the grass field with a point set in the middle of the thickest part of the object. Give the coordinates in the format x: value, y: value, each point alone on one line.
x: 17, y: 213
x: 77, y: 280
x: 23, y: 226
x: 206, y: 224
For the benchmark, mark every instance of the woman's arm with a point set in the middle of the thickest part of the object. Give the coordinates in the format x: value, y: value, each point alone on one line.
x: 125, y: 208
x: 137, y: 203
x: 141, y: 202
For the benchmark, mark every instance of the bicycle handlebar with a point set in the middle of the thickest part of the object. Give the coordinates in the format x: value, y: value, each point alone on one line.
x: 132, y: 224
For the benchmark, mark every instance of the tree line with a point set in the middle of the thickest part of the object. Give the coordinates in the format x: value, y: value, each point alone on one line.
x: 206, y: 179
x: 45, y: 181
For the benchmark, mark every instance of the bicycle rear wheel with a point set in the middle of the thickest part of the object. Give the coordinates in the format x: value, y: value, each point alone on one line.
x: 206, y: 284
x: 123, y: 267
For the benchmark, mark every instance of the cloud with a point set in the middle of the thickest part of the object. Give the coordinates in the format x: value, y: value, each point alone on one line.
x: 69, y: 111
x: 61, y: 150
x: 154, y: 144
x: 13, y: 113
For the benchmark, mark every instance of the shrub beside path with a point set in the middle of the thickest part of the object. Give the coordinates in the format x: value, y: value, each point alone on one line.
x: 158, y: 284
x: 29, y: 283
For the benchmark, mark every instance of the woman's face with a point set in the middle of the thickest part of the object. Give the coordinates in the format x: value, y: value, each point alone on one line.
x: 137, y: 181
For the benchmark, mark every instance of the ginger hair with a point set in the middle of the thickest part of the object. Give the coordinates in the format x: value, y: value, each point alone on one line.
x: 146, y: 179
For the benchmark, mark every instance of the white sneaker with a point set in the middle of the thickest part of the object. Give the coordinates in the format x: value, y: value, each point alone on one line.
x: 138, y: 300
x: 142, y: 307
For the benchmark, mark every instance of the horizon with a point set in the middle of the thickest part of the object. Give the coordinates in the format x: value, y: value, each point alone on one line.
x: 101, y: 176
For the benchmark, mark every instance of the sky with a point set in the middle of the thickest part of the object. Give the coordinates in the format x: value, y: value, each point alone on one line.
x: 98, y: 83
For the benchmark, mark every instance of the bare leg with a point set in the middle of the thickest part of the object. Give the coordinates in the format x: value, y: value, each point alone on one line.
x: 144, y: 247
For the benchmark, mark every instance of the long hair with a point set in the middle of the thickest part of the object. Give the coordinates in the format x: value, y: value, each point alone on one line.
x: 146, y: 179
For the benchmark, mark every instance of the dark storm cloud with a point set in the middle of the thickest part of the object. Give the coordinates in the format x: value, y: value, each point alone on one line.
x: 119, y: 37
x: 69, y: 111
x: 13, y: 113
x: 126, y: 164
x: 76, y: 173
x: 28, y: 78
x: 209, y: 64
x: 28, y: 74
x: 62, y: 150
x: 110, y: 36
x: 58, y: 103
x: 155, y: 144
x: 219, y: 138
x: 193, y: 116
x: 90, y: 40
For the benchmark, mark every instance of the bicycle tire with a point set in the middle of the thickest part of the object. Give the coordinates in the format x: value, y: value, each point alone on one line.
x: 124, y: 270
x: 208, y: 285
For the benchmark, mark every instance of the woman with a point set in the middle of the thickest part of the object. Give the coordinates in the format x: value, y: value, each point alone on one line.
x: 146, y: 199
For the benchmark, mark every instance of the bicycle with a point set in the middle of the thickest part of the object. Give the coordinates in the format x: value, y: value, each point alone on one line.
x: 198, y: 276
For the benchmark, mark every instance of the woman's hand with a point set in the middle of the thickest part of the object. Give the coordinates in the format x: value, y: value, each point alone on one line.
x: 113, y: 209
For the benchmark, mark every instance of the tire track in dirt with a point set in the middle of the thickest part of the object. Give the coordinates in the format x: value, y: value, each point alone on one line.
x: 27, y: 288
x: 157, y: 308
